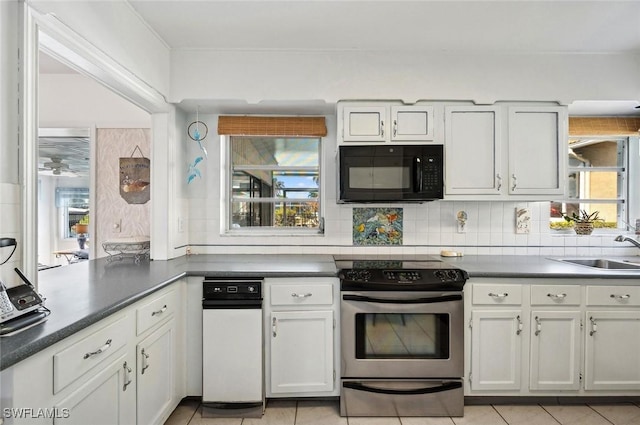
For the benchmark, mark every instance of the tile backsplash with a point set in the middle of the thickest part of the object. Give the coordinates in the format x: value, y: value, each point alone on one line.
x: 490, y: 229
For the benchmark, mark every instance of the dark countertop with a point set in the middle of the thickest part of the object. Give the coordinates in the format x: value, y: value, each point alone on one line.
x: 81, y: 294
x: 84, y: 293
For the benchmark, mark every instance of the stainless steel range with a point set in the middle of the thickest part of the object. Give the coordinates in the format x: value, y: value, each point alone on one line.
x: 402, y: 336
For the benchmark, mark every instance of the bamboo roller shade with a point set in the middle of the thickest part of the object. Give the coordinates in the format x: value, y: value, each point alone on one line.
x: 271, y: 126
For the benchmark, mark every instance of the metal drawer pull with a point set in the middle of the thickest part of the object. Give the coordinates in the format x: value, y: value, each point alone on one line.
x: 145, y: 363
x: 515, y: 182
x: 499, y: 181
x: 381, y: 128
x: 557, y: 296
x: 295, y: 295
x: 621, y: 297
x: 594, y: 326
x: 538, y: 326
x: 274, y: 328
x: 395, y: 128
x: 519, y: 331
x: 502, y: 295
x: 127, y: 376
x: 162, y: 310
x: 105, y: 347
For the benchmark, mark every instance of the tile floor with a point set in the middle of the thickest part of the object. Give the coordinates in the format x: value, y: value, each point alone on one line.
x: 326, y: 412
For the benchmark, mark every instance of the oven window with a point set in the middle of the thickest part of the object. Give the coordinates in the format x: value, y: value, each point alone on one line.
x: 402, y: 336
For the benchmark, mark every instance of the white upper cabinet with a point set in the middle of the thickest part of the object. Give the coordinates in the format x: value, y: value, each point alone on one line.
x: 537, y: 150
x: 384, y: 122
x: 529, y: 163
x: 411, y: 123
x: 473, y: 143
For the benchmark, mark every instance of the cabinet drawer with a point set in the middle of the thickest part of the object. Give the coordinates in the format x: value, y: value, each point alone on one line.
x: 72, y: 362
x: 155, y: 311
x: 302, y: 294
x: 555, y: 295
x: 613, y: 295
x: 490, y: 294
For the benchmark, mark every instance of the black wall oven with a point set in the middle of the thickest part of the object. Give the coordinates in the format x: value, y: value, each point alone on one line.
x: 402, y: 339
x: 390, y: 173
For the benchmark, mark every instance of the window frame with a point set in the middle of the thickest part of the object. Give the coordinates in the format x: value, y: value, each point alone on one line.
x: 623, y: 189
x: 227, y: 171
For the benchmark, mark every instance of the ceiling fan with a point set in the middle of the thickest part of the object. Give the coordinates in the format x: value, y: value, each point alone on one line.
x: 56, y: 165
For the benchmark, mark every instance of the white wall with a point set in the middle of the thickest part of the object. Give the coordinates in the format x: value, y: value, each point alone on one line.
x: 115, y: 29
x: 405, y: 75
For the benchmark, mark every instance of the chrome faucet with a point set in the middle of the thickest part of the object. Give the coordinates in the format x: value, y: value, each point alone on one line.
x: 621, y: 238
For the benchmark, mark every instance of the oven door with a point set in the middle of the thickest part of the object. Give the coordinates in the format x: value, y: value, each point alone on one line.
x: 402, y: 334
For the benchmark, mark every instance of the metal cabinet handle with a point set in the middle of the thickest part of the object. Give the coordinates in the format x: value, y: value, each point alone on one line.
x: 500, y: 296
x: 499, y: 181
x: 620, y: 297
x: 274, y: 327
x: 127, y: 376
x: 162, y: 310
x: 519, y: 331
x: 594, y: 326
x: 395, y: 128
x: 381, y: 128
x: 514, y: 179
x: 538, y: 326
x: 102, y: 349
x: 557, y: 296
x: 295, y: 295
x: 145, y: 362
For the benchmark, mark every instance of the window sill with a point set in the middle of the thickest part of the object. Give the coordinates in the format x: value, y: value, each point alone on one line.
x: 256, y: 232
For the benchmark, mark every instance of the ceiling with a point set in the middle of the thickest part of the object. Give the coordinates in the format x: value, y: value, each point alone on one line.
x: 507, y: 26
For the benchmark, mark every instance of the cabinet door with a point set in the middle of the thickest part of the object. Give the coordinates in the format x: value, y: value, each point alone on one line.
x: 302, y: 351
x: 155, y: 375
x: 107, y: 398
x: 496, y: 349
x: 411, y: 123
x: 472, y: 140
x: 612, y: 346
x: 365, y: 124
x: 555, y: 350
x: 537, y: 150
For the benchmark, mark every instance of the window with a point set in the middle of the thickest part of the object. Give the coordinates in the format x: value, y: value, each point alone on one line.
x: 597, y: 181
x: 74, y: 205
x: 274, y: 183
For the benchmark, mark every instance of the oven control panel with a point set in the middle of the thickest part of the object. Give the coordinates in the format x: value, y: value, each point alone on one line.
x: 402, y: 275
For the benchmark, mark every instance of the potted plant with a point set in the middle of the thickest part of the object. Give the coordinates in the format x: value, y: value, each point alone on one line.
x: 582, y: 221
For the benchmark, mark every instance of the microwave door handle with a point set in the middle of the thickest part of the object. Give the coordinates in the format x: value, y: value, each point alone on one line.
x: 427, y: 390
x: 417, y: 174
x: 431, y: 300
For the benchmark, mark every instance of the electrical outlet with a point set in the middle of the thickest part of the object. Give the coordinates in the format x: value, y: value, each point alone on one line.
x: 180, y: 224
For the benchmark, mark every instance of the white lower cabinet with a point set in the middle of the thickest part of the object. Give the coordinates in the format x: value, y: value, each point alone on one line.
x: 302, y: 344
x: 301, y: 351
x: 156, y: 374
x: 555, y: 350
x: 108, y: 398
x: 496, y: 341
x: 112, y: 372
x: 543, y: 337
x: 612, y: 360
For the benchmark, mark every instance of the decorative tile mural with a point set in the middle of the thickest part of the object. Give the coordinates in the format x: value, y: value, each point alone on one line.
x: 377, y: 226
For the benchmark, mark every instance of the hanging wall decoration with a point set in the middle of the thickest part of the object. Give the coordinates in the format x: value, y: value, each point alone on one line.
x: 135, y: 178
x: 197, y: 131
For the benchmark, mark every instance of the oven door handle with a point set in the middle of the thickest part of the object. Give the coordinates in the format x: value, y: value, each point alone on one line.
x: 441, y: 299
x: 428, y: 390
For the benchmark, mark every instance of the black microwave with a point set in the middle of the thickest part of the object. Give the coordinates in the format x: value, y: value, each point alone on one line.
x: 390, y: 173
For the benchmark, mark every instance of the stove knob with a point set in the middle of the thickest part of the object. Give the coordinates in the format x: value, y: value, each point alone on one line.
x: 452, y: 274
x: 440, y: 275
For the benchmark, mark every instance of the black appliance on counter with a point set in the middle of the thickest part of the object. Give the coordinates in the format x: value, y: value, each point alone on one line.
x: 397, y: 173
x: 402, y: 336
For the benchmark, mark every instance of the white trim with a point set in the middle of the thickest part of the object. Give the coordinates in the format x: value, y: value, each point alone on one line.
x: 67, y: 46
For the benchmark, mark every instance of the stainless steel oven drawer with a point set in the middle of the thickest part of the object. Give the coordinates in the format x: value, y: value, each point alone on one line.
x: 387, y: 397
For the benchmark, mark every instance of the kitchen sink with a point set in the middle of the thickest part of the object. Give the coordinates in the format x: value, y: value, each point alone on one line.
x: 602, y: 263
